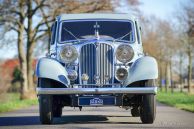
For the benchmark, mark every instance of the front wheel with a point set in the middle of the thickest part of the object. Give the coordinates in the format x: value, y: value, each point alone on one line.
x: 45, y: 109
x: 148, y: 106
x: 57, y: 111
x: 45, y: 104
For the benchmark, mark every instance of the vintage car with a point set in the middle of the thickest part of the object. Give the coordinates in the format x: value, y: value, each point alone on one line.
x: 96, y: 60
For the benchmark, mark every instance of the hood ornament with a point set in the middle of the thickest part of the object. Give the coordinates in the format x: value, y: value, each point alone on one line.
x: 96, y: 27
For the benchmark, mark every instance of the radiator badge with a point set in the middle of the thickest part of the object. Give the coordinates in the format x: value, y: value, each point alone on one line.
x: 96, y: 101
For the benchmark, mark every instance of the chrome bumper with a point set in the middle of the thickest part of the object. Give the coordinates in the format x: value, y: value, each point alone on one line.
x: 132, y: 90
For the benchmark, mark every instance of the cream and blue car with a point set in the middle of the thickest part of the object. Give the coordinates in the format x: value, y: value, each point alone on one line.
x: 96, y: 60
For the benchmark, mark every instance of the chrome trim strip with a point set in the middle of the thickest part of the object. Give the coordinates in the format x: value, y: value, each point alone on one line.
x: 132, y: 90
x: 115, y: 84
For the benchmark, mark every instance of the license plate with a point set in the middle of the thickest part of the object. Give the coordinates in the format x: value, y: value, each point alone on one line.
x: 96, y: 101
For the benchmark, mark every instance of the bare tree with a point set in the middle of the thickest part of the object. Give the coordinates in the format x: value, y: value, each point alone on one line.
x: 13, y: 17
x: 160, y: 42
x: 186, y: 27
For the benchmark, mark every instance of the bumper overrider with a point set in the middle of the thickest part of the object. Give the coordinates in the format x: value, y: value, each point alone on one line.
x: 66, y: 91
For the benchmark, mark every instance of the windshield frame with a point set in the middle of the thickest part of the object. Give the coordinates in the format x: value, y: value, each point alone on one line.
x: 77, y: 20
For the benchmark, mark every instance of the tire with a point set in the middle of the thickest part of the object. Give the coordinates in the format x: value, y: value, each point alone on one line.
x: 45, y: 104
x: 148, y: 106
x: 57, y: 112
x: 135, y: 112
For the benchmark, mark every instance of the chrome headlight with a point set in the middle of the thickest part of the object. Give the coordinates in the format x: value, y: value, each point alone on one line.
x: 124, y: 53
x: 68, y: 54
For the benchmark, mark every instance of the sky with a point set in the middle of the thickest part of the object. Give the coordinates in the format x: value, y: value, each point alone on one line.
x: 163, y: 9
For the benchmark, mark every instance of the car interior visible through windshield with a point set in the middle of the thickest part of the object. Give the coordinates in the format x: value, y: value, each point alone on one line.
x: 85, y: 30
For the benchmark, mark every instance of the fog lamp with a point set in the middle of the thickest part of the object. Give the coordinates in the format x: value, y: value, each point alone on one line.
x: 72, y: 75
x: 121, y: 74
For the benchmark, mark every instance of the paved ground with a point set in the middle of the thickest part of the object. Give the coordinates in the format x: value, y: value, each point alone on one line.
x: 95, y: 118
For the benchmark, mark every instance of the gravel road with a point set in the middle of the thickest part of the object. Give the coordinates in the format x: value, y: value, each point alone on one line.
x: 97, y: 118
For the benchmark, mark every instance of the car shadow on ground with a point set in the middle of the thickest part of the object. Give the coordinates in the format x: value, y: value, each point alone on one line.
x: 89, y: 119
x: 67, y: 119
x: 19, y: 120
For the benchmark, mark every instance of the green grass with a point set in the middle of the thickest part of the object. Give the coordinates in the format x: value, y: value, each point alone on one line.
x: 11, y: 101
x: 180, y: 100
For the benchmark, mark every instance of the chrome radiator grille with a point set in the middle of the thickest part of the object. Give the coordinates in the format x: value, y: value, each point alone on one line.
x: 97, y: 61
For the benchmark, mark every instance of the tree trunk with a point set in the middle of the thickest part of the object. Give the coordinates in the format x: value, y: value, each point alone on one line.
x: 180, y: 70
x: 166, y: 77
x: 30, y: 69
x: 160, y: 74
x: 189, y: 70
x: 23, y: 65
x: 160, y: 77
x: 48, y: 27
x: 30, y: 46
x: 21, y: 53
x: 171, y: 76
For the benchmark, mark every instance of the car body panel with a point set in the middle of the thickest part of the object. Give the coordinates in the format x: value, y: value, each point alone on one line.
x: 52, y: 69
x: 144, y: 68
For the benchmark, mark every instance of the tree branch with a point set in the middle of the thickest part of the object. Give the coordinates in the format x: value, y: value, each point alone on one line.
x: 13, y: 28
x: 40, y: 36
x: 18, y: 13
x: 39, y: 5
x: 42, y: 30
x: 40, y: 25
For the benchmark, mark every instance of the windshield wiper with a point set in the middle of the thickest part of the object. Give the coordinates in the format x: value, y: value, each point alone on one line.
x: 71, y: 34
x: 120, y: 38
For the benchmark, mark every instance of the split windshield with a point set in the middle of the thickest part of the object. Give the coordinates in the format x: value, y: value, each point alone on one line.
x: 106, y: 29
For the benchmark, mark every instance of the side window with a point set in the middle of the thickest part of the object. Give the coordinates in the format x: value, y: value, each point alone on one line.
x: 53, y: 33
x: 137, y: 32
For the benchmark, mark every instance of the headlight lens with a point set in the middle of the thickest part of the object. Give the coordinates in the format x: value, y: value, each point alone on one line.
x: 121, y: 74
x: 68, y: 54
x: 124, y: 53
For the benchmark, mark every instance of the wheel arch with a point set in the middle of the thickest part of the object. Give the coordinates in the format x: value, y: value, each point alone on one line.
x: 52, y: 69
x: 144, y: 68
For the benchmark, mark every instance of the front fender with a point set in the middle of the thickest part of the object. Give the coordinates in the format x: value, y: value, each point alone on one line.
x: 144, y: 68
x: 52, y: 69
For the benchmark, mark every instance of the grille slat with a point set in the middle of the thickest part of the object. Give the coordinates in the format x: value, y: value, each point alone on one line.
x: 97, y: 61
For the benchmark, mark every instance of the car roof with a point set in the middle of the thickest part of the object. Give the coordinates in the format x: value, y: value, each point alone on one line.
x: 116, y: 16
